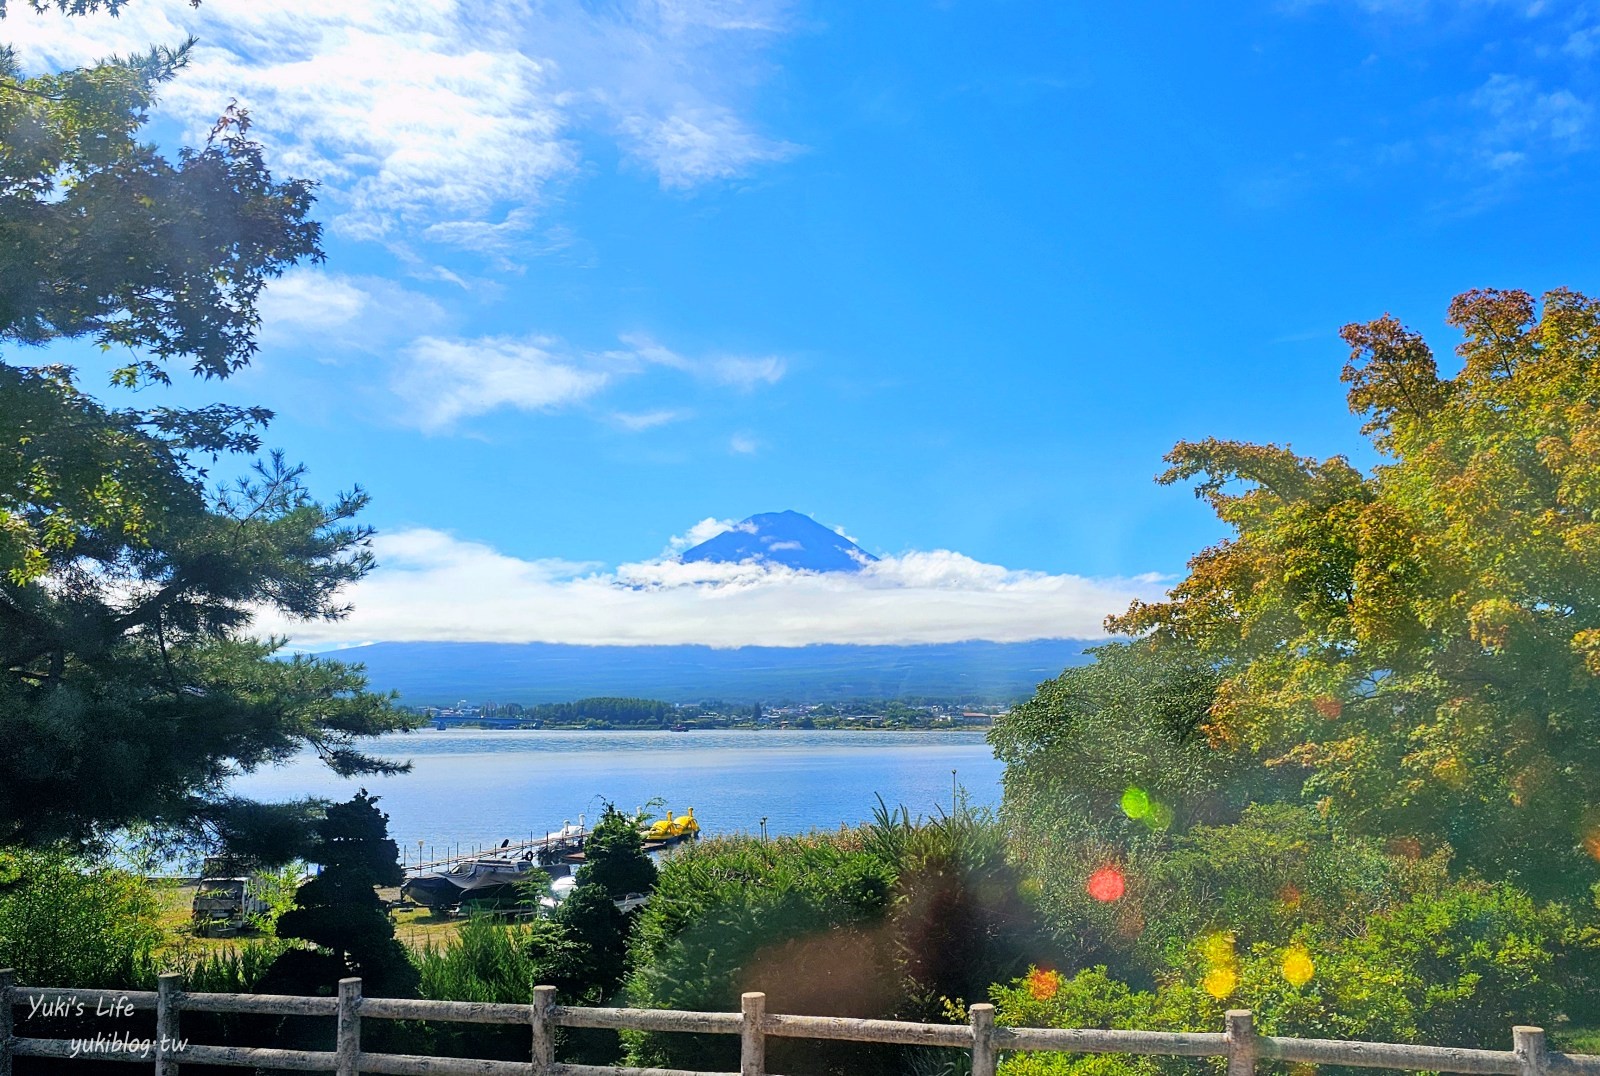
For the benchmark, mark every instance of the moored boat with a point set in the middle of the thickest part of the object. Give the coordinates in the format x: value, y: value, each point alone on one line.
x: 670, y: 830
x: 486, y: 882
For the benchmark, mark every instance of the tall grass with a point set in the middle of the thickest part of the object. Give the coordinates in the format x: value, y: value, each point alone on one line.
x: 236, y: 969
x: 488, y: 961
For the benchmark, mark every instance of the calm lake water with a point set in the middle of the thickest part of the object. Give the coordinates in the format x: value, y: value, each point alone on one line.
x: 478, y: 787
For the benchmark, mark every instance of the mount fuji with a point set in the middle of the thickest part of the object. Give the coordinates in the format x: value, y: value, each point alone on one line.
x: 788, y: 539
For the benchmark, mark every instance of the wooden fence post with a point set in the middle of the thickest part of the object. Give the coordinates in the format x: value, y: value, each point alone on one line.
x: 1241, y: 1032
x: 1533, y: 1058
x: 984, y: 1055
x: 347, y: 1041
x: 752, y: 1037
x: 168, y: 987
x: 8, y: 998
x: 544, y: 1029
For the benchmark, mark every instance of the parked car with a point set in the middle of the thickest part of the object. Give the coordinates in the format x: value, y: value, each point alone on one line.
x: 224, y: 906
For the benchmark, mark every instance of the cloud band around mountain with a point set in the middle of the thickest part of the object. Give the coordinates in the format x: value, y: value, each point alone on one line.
x: 432, y: 586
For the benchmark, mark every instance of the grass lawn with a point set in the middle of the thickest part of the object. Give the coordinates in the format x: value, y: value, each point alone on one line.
x: 418, y: 928
x: 1577, y: 1040
x: 415, y: 927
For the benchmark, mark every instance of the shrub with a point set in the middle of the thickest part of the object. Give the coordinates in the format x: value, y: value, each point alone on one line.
x: 797, y: 917
x: 66, y: 922
x: 901, y: 918
x: 959, y: 919
x: 1454, y: 968
x: 492, y: 962
x: 1276, y: 871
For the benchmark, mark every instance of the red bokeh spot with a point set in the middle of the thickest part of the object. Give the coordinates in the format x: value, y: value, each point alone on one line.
x: 1329, y: 707
x: 1107, y: 884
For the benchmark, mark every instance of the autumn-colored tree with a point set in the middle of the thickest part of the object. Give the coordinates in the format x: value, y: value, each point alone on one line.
x: 1424, y: 639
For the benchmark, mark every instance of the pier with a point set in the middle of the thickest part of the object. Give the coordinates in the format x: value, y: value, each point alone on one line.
x: 570, y: 836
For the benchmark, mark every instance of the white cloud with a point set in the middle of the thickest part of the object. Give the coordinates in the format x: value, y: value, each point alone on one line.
x: 1581, y: 44
x: 737, y: 371
x: 743, y: 444
x: 408, y: 113
x: 432, y: 586
x: 446, y: 119
x: 646, y: 420
x: 687, y: 149
x: 703, y: 531
x: 1440, y: 12
x: 747, y: 373
x: 358, y: 313
x: 445, y: 381
x: 1525, y: 118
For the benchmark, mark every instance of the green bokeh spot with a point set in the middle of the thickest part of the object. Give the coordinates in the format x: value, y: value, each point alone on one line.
x: 1135, y: 802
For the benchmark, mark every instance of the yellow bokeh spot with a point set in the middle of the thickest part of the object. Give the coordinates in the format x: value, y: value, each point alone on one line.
x: 1297, y: 966
x: 1220, y: 982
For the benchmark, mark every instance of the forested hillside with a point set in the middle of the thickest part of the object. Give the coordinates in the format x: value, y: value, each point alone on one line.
x: 444, y: 673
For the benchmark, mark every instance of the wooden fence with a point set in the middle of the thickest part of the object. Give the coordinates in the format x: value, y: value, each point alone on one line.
x: 1238, y: 1042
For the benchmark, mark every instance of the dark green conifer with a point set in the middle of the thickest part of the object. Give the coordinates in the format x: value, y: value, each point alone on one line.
x: 339, y: 910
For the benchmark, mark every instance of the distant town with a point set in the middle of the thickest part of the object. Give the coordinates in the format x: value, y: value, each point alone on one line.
x: 622, y: 713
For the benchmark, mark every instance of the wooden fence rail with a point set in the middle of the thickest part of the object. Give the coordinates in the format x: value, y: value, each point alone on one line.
x: 1238, y: 1042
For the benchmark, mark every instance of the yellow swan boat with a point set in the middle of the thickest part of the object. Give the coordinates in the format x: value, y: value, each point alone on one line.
x: 673, y: 829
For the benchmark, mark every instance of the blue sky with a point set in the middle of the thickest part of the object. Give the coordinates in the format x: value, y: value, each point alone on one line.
x: 951, y: 277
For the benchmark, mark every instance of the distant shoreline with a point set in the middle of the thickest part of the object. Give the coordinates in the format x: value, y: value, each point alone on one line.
x: 454, y: 726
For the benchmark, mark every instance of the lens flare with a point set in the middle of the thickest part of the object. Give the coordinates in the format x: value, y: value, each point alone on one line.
x: 1160, y: 816
x: 1290, y: 896
x: 1220, y: 982
x: 1329, y: 707
x: 1135, y: 802
x: 1297, y: 966
x: 1043, y: 984
x: 1591, y: 842
x: 1106, y: 884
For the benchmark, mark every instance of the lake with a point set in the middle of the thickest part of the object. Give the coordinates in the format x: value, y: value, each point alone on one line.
x: 477, y: 787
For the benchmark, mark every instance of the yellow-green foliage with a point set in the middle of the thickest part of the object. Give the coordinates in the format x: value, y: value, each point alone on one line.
x: 1458, y: 968
x: 1424, y: 638
x: 67, y: 922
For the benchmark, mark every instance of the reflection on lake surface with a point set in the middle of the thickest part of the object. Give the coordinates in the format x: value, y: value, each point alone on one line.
x: 478, y: 786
